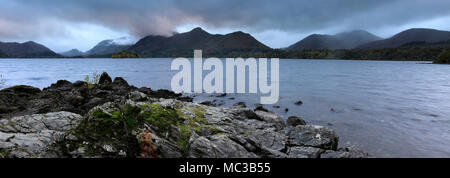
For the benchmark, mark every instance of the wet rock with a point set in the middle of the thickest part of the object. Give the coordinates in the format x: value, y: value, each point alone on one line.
x: 313, y: 136
x: 260, y: 107
x: 221, y: 95
x: 294, y: 121
x: 336, y: 111
x: 240, y: 105
x: 104, y: 79
x: 299, y: 102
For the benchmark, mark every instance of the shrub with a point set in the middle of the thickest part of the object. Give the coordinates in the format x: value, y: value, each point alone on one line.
x: 443, y: 58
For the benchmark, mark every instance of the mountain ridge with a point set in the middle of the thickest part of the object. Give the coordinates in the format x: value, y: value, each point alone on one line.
x: 27, y: 49
x: 197, y: 38
x: 343, y: 40
x: 72, y: 53
x: 409, y: 36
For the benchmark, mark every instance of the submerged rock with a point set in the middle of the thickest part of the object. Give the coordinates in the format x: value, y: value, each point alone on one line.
x: 299, y: 102
x: 294, y: 121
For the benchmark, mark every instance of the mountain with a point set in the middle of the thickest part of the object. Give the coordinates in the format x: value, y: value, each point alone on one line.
x: 183, y: 44
x: 357, y: 37
x: 345, y: 40
x: 28, y: 49
x: 408, y: 37
x: 109, y: 47
x: 317, y: 41
x: 72, y: 53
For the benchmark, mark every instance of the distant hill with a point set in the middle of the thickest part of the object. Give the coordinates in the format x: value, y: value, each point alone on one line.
x: 421, y: 44
x: 28, y: 49
x: 183, y: 44
x: 109, y: 47
x: 72, y: 53
x: 408, y: 37
x: 317, y: 41
x: 345, y: 40
x: 355, y: 38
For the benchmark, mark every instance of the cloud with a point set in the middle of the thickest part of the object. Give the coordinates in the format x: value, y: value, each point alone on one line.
x: 20, y: 19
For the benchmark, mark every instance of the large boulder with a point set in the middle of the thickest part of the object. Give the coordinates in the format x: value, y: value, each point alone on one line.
x: 104, y: 79
x: 313, y: 136
x: 35, y: 135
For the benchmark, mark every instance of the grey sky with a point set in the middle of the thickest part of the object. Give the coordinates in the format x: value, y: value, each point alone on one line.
x: 62, y: 25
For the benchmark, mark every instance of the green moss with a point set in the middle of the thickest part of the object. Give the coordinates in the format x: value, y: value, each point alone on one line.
x: 4, y: 153
x: 220, y: 134
x: 199, y: 115
x: 160, y: 117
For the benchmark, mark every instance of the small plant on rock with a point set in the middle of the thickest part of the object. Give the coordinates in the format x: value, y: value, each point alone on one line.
x: 92, y: 80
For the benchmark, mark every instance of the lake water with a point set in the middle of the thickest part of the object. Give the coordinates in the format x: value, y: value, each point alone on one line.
x: 388, y: 108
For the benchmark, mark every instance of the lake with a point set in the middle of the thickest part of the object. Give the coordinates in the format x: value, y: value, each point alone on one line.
x: 387, y: 108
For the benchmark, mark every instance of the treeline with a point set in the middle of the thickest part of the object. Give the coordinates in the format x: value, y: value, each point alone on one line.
x: 402, y: 53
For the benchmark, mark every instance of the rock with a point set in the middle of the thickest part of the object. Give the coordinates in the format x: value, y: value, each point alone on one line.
x: 299, y: 102
x: 35, y: 135
x: 286, y: 110
x: 260, y: 107
x: 313, y: 136
x: 104, y: 79
x: 271, y: 118
x: 16, y: 99
x: 119, y: 81
x: 269, y: 139
x: 216, y: 146
x: 207, y: 103
x: 221, y: 95
x: 305, y: 152
x: 137, y: 96
x: 168, y: 95
x: 294, y: 121
x: 22, y: 90
x: 345, y: 153
x: 276, y: 106
x: 213, y: 103
x: 240, y: 105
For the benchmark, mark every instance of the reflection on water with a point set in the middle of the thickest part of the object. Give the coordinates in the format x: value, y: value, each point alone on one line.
x: 390, y: 109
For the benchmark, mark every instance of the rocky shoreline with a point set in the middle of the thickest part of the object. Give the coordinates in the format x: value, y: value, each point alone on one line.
x: 113, y: 119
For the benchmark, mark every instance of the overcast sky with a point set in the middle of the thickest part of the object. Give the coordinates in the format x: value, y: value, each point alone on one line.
x: 65, y: 24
